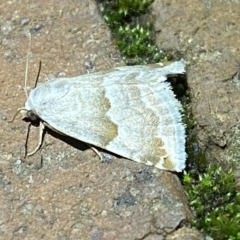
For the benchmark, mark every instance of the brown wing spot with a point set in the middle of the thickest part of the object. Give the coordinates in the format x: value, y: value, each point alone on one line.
x: 168, y: 163
x: 106, y: 129
x: 153, y: 151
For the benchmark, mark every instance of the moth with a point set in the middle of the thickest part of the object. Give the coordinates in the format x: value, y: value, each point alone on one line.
x: 130, y: 111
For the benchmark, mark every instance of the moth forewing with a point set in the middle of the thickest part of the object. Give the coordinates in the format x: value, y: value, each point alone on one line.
x: 130, y: 111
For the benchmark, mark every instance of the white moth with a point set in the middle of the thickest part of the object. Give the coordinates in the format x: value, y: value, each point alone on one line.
x: 130, y: 111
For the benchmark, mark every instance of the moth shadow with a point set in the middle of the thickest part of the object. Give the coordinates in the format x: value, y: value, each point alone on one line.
x: 69, y: 140
x: 106, y: 156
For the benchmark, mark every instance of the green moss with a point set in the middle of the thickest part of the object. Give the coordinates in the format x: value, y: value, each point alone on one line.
x: 136, y: 45
x: 211, y: 191
x: 133, y: 36
x: 215, y: 202
x: 118, y: 12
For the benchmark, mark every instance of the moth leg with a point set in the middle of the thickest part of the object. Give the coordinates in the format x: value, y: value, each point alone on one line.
x: 41, y: 133
x: 97, y: 152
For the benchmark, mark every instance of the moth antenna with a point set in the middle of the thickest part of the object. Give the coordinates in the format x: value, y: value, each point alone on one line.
x: 15, y: 115
x: 39, y: 70
x: 26, y: 70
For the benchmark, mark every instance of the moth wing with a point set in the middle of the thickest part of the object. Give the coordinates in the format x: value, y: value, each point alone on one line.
x: 130, y: 111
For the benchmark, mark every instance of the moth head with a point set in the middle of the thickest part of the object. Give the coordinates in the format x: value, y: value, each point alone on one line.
x: 31, y: 116
x: 27, y: 116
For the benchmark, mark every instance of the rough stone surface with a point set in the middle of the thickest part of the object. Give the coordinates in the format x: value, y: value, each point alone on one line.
x: 185, y: 234
x: 63, y: 192
x: 206, y: 34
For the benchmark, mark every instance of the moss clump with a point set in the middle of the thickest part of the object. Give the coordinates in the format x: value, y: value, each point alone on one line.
x: 215, y: 202
x: 211, y: 191
x: 117, y: 12
x: 133, y: 35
